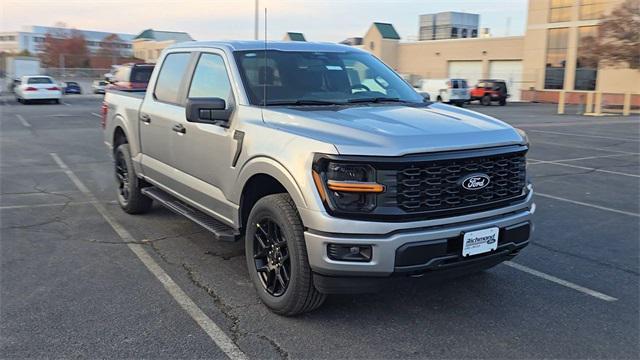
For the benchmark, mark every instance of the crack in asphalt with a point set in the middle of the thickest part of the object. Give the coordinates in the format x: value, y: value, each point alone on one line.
x: 226, y: 255
x: 227, y: 310
x: 585, y: 258
x: 147, y: 241
x: 55, y: 219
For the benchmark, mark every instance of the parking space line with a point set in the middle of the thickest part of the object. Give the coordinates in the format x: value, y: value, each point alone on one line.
x: 24, y: 122
x: 585, y: 158
x: 96, y: 115
x: 583, y: 135
x: 75, y: 203
x: 66, y: 104
x: 588, y: 205
x: 586, y: 147
x: 585, y: 168
x: 215, y: 333
x: 559, y: 281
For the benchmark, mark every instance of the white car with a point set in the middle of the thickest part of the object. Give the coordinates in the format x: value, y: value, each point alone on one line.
x: 98, y: 86
x: 38, y: 87
x: 453, y: 91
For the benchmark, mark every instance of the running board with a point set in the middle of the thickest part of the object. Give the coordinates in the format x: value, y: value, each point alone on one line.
x: 218, y: 229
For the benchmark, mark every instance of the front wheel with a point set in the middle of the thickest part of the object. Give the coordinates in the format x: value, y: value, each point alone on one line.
x: 486, y: 100
x: 129, y: 192
x: 277, y: 257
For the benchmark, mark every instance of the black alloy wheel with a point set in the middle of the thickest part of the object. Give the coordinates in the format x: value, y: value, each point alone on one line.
x: 122, y: 176
x: 271, y: 257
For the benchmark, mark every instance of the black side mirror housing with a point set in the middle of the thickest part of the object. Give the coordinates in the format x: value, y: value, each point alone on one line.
x: 207, y: 110
x: 425, y: 95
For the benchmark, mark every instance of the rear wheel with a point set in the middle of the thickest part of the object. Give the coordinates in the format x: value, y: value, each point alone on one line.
x: 503, y: 102
x: 486, y: 100
x: 128, y: 184
x: 439, y: 99
x: 277, y: 257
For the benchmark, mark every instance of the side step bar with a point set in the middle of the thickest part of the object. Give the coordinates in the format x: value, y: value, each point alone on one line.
x: 218, y: 229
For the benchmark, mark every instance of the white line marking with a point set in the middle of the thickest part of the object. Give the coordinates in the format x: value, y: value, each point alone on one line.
x: 559, y: 281
x: 586, y: 158
x: 215, y: 333
x: 97, y: 115
x: 23, y: 121
x: 588, y: 205
x: 583, y: 135
x: 586, y: 168
x: 75, y: 203
x: 66, y: 104
x: 586, y: 147
x: 574, y: 123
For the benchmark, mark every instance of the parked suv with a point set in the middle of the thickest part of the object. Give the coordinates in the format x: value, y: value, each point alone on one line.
x: 335, y: 172
x: 490, y: 90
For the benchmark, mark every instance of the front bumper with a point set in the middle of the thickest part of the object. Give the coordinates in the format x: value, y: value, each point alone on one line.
x: 388, y: 244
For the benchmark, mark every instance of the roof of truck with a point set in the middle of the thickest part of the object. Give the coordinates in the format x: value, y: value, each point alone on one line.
x: 241, y: 45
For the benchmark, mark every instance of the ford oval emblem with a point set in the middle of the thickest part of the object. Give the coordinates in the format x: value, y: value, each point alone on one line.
x: 475, y: 181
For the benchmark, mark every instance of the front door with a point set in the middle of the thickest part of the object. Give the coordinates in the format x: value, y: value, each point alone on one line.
x: 204, y: 152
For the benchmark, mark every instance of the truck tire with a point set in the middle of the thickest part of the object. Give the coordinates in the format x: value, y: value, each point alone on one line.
x: 503, y: 102
x: 128, y: 184
x: 277, y: 257
x: 486, y: 100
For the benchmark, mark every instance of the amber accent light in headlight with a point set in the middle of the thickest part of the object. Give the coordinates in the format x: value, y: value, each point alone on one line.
x: 353, y: 186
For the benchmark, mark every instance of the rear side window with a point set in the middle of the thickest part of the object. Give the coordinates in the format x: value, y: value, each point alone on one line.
x: 210, y: 78
x: 171, y: 75
x: 455, y: 84
x: 39, y: 80
x: 141, y: 74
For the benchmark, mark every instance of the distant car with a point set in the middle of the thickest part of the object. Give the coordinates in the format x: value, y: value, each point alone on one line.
x: 488, y: 90
x: 453, y: 91
x: 72, y: 87
x: 98, y: 86
x: 131, y: 77
x: 38, y: 87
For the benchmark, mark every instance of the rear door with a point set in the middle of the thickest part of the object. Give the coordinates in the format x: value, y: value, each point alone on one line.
x: 162, y: 107
x: 204, y: 152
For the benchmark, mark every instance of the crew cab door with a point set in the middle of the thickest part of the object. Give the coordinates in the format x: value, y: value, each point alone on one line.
x: 204, y: 151
x: 162, y: 107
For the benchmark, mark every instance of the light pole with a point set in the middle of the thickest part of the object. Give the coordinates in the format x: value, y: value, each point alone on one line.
x: 257, y: 20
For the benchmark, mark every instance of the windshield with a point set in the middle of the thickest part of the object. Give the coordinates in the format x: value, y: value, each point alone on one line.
x: 319, y: 78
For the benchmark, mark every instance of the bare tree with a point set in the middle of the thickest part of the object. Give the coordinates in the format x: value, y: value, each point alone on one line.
x: 618, y: 41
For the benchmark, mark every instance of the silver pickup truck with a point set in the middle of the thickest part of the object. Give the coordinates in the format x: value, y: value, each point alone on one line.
x: 334, y: 172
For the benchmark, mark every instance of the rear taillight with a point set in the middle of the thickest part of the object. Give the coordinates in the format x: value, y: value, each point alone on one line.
x: 30, y: 88
x: 104, y: 109
x: 54, y: 88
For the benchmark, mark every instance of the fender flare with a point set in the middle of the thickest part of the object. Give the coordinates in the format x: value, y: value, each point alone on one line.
x: 268, y: 166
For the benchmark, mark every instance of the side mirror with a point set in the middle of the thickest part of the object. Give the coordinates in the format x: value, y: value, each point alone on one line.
x: 207, y: 110
x: 425, y: 95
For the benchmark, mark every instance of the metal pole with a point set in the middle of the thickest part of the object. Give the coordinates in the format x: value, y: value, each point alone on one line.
x: 257, y: 20
x: 61, y: 63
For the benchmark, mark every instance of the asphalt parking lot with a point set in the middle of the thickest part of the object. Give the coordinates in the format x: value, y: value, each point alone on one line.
x: 80, y: 278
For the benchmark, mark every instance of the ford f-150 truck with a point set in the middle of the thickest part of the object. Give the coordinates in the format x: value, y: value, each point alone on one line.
x: 334, y: 172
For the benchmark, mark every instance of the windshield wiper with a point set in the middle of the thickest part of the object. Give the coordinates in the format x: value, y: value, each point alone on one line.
x: 374, y: 100
x: 302, y: 102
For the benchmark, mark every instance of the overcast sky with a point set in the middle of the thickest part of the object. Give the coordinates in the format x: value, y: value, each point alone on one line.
x: 319, y: 20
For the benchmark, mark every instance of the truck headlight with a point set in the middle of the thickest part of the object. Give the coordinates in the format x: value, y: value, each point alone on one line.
x: 346, y: 187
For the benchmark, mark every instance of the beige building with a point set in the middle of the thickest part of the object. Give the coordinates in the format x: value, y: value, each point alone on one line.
x: 149, y: 44
x: 536, y: 66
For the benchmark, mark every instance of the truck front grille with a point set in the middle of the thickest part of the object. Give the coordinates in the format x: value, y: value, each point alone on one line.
x: 436, y: 185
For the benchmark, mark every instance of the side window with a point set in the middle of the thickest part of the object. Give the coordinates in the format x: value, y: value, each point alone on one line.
x: 171, y: 75
x: 210, y: 78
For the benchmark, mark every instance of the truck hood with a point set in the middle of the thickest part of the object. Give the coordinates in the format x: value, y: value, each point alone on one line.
x: 394, y: 130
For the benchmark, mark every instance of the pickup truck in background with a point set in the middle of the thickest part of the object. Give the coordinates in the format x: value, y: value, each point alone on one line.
x: 131, y: 77
x: 334, y: 172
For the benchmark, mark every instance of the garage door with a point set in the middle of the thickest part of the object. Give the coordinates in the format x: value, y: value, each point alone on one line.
x: 470, y: 70
x: 511, y: 72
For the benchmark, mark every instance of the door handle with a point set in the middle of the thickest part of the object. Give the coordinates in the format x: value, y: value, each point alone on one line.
x: 179, y: 128
x: 145, y: 118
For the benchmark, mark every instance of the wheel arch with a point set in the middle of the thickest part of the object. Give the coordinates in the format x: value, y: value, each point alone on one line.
x: 260, y: 177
